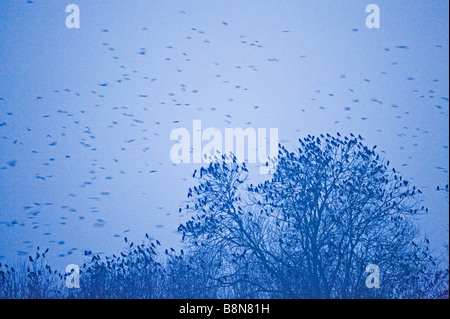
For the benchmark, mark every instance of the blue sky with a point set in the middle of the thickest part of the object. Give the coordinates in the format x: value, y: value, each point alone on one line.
x: 88, y: 112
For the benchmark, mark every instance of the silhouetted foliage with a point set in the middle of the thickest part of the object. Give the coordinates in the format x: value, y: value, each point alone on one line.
x: 331, y: 208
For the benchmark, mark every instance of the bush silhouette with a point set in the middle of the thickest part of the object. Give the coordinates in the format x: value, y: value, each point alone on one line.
x: 332, y: 208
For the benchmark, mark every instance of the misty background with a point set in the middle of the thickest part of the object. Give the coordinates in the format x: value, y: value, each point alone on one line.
x: 86, y: 114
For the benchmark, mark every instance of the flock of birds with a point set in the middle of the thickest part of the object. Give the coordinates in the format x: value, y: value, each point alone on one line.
x: 73, y: 129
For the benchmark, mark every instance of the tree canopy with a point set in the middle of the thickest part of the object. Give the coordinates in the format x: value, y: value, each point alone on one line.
x: 332, y: 208
x: 332, y: 214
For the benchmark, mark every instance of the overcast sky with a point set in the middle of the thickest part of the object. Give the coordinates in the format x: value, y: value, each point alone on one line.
x: 86, y: 114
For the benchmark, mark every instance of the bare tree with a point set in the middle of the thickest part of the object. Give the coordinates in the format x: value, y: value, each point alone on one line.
x: 332, y: 208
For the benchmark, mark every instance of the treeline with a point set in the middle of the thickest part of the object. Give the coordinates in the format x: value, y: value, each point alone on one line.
x: 332, y: 208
